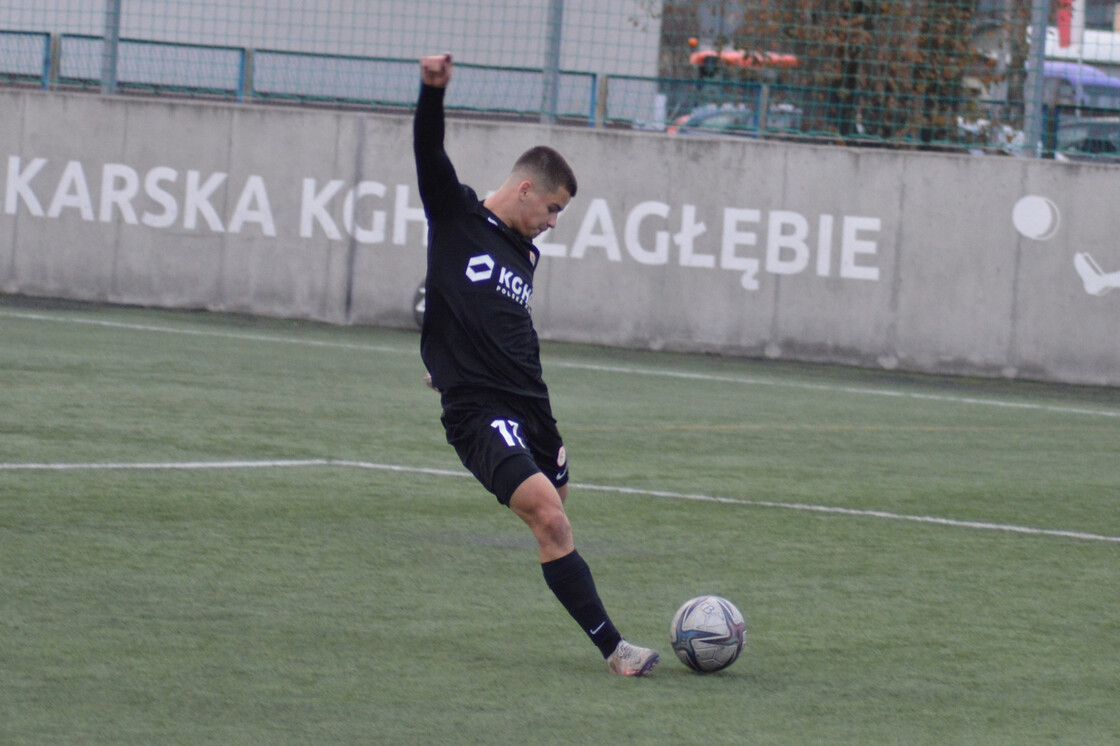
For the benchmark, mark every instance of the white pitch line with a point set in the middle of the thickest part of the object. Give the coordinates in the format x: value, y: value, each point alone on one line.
x: 841, y: 389
x: 801, y: 507
x: 624, y: 370
x: 885, y: 515
x: 167, y: 465
x: 402, y: 469
x: 202, y: 333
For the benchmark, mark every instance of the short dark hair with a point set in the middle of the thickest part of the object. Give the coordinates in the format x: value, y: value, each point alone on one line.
x: 548, y: 165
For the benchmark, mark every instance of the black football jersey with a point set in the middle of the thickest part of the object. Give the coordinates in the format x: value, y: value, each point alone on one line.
x: 478, y: 330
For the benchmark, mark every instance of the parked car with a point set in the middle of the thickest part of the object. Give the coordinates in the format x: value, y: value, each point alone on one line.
x: 1095, y: 139
x: 1078, y: 85
x: 736, y: 119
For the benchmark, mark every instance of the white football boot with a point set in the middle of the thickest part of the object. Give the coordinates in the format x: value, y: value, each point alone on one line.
x: 631, y: 660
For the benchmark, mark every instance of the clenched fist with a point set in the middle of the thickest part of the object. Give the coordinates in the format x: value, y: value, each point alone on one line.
x: 435, y: 71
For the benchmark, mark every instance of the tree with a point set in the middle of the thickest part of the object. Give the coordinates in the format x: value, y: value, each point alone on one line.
x: 883, y: 70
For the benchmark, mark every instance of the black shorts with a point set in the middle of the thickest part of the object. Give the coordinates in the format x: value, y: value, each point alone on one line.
x: 504, y: 439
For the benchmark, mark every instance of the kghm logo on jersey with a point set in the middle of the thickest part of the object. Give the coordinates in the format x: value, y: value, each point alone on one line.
x: 513, y: 287
x: 481, y: 268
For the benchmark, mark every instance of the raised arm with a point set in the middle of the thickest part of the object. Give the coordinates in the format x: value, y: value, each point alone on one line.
x: 439, y: 185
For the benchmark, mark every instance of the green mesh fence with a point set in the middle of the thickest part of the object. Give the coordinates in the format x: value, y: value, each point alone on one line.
x: 1027, y: 77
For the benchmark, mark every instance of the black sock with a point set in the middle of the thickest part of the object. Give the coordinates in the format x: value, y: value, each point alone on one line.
x: 570, y: 579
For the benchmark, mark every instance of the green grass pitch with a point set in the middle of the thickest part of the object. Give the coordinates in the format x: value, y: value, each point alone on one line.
x: 226, y: 530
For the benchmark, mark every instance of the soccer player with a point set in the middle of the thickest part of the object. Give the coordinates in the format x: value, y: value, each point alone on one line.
x: 483, y: 356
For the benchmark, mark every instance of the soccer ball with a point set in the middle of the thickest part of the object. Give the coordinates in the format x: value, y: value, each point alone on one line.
x: 707, y: 633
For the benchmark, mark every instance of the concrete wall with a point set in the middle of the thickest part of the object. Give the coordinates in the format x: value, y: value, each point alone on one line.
x: 959, y: 264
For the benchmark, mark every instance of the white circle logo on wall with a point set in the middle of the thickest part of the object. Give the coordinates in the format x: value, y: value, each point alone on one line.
x: 1036, y: 217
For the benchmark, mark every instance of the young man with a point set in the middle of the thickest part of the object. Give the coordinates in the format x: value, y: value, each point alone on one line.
x: 482, y: 353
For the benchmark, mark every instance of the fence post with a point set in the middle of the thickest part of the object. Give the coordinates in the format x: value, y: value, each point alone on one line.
x: 245, y: 80
x: 602, y: 94
x: 46, y: 67
x: 550, y: 97
x: 763, y: 110
x: 110, y: 46
x: 1034, y: 126
x: 55, y: 70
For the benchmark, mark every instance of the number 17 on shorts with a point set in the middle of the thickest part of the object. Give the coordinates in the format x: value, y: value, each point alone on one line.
x: 510, y: 432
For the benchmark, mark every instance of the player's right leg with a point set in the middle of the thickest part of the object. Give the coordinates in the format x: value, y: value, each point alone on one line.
x: 539, y: 504
x: 494, y: 446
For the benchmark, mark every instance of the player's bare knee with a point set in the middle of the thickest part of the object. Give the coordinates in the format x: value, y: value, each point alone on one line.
x: 554, y: 525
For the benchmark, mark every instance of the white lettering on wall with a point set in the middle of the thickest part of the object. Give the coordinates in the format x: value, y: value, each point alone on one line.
x: 404, y: 214
x: 685, y: 239
x: 851, y: 245
x: 253, y: 207
x: 749, y: 241
x: 824, y: 246
x: 162, y: 197
x: 733, y: 238
x: 197, y: 201
x: 72, y: 191
x: 660, y: 253
x: 376, y: 232
x: 119, y: 186
x: 787, y: 252
x: 19, y: 186
x: 313, y: 209
x: 781, y: 242
x: 597, y: 231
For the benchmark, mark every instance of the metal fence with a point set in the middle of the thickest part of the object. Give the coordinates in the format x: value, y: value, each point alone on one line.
x: 1025, y: 77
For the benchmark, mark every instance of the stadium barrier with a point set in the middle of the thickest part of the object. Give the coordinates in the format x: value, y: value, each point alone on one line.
x: 245, y: 74
x: 25, y: 57
x: 931, y: 262
x: 929, y: 74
